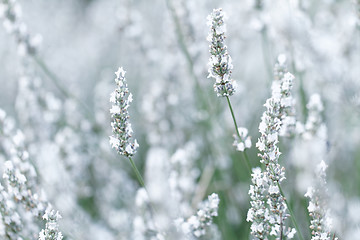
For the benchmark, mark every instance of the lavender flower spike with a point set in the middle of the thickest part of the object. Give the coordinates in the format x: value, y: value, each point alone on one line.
x: 268, y: 210
x: 220, y: 65
x: 51, y: 231
x: 121, y: 99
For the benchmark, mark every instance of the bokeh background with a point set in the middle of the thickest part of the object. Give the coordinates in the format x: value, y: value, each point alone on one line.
x: 58, y: 95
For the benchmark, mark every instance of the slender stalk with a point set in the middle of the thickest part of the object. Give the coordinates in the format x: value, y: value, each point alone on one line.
x: 204, y: 182
x: 246, y: 158
x: 296, y: 73
x: 267, y: 54
x: 137, y: 173
x: 292, y: 216
x: 184, y: 49
x: 142, y: 184
x: 60, y: 87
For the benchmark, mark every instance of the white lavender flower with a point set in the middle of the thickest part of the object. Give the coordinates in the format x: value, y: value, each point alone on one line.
x: 268, y: 210
x: 220, y: 65
x: 258, y: 213
x: 21, y: 186
x: 196, y: 224
x: 10, y: 11
x: 51, y: 231
x: 320, y: 221
x: 10, y: 218
x: 244, y: 141
x: 121, y: 99
x: 287, y: 102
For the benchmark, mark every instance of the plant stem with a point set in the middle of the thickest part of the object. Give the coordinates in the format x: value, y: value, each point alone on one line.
x: 184, y: 49
x: 246, y: 158
x: 60, y: 87
x: 267, y: 54
x: 292, y: 216
x: 142, y: 183
x: 137, y: 173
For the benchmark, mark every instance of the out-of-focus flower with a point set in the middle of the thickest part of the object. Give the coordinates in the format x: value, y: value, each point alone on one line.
x: 244, y: 141
x: 196, y: 224
x: 10, y: 11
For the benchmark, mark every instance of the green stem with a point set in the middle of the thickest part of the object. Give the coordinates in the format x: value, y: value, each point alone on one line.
x: 292, y: 216
x: 137, y: 173
x: 184, y: 49
x: 60, y: 87
x: 246, y: 158
x: 267, y: 54
x: 142, y: 184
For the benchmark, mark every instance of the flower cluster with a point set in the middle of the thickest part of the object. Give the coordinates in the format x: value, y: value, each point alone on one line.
x: 258, y: 211
x: 20, y: 178
x: 51, y: 231
x: 314, y: 126
x: 320, y: 223
x: 10, y: 218
x: 268, y: 210
x: 280, y: 89
x: 220, y: 65
x: 196, y: 224
x: 244, y: 141
x: 11, y: 12
x: 20, y: 185
x: 121, y: 99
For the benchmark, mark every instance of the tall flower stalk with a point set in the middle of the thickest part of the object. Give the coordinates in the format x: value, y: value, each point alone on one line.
x: 220, y: 66
x: 121, y: 126
x: 220, y: 62
x: 317, y: 193
x: 320, y: 221
x: 269, y: 208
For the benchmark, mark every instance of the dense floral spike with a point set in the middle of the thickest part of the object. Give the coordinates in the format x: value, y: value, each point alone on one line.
x: 196, y: 224
x: 320, y: 222
x: 51, y: 231
x: 10, y: 218
x: 314, y: 126
x: 268, y: 210
x: 258, y: 212
x: 121, y: 99
x: 287, y: 108
x: 20, y: 185
x: 220, y: 65
x: 315, y: 129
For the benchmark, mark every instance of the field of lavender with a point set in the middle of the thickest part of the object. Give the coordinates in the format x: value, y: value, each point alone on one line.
x: 176, y: 119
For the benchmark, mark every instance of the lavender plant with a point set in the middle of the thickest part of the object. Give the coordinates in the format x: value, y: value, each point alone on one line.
x: 121, y: 98
x: 21, y: 187
x: 268, y: 211
x: 220, y: 63
x: 320, y: 223
x: 195, y: 224
x: 120, y: 122
x: 220, y: 66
